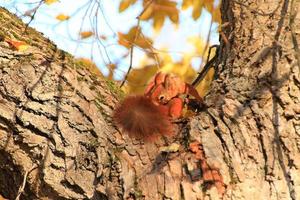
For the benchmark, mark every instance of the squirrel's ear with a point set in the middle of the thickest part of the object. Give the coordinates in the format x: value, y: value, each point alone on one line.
x: 160, y: 78
x: 149, y: 88
x: 157, y: 79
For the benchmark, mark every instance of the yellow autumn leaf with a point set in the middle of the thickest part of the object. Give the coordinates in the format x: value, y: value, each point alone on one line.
x: 124, y: 4
x: 132, y: 37
x: 197, y: 9
x: 158, y: 21
x: 86, y: 34
x: 49, y: 2
x: 123, y: 40
x: 62, y: 17
x: 158, y: 10
x: 198, y: 43
x: 18, y: 45
x: 138, y: 79
x: 23, y: 47
x: 147, y: 14
x: 166, y: 9
x: 204, y: 85
x: 216, y: 15
x: 198, y: 5
x: 209, y: 5
x: 174, y: 17
x: 186, y: 4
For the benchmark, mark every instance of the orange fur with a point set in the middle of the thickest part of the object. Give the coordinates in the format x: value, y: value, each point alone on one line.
x: 147, y: 117
x: 140, y: 118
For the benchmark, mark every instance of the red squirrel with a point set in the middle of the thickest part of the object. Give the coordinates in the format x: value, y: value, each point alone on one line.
x: 150, y: 116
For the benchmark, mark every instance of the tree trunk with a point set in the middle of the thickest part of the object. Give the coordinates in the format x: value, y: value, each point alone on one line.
x: 56, y: 131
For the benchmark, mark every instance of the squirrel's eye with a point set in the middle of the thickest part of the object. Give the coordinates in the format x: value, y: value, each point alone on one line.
x: 161, y: 97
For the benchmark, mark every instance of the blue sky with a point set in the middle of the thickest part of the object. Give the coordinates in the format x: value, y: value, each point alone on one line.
x: 109, y: 22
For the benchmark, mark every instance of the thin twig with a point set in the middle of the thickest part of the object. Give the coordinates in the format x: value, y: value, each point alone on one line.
x: 152, y: 51
x: 206, y: 43
x: 23, y: 15
x: 207, y: 66
x: 145, y: 8
x: 22, y: 187
x: 131, y: 54
x: 33, y: 15
x: 82, y: 23
x: 132, y: 45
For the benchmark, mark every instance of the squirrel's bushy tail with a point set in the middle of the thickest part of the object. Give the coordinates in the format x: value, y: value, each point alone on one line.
x: 140, y: 118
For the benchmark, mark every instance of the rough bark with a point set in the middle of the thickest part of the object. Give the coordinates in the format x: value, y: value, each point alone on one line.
x: 54, y: 122
x: 55, y: 117
x: 256, y: 114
